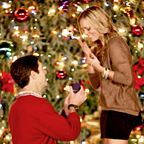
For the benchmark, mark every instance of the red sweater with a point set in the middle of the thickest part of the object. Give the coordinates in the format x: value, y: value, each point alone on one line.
x: 33, y: 120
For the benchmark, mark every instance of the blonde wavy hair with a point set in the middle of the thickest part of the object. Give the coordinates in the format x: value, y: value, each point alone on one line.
x: 101, y: 22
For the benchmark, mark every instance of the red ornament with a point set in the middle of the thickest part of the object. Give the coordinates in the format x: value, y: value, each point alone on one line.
x: 137, y: 30
x: 139, y: 67
x: 86, y: 1
x: 21, y: 14
x: 7, y: 82
x: 130, y: 13
x: 83, y: 84
x: 61, y: 74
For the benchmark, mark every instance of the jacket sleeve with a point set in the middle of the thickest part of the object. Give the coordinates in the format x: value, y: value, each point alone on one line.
x: 94, y: 79
x: 56, y: 126
x: 120, y: 57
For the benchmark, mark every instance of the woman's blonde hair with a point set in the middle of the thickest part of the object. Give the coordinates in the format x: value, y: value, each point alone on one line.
x: 101, y: 22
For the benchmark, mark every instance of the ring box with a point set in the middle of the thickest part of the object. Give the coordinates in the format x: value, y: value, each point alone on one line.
x: 76, y: 87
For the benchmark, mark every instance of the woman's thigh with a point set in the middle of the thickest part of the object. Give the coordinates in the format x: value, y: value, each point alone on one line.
x: 116, y: 125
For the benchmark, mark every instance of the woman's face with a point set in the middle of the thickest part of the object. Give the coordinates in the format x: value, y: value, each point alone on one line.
x: 89, y: 31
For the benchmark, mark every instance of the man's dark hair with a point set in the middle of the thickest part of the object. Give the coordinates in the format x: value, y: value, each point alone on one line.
x: 21, y: 69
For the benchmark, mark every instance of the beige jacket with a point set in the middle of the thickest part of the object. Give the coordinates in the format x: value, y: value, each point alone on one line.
x: 118, y: 94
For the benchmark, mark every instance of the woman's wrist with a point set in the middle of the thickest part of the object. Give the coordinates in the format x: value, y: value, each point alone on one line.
x: 111, y: 74
x: 91, y: 69
x: 108, y: 73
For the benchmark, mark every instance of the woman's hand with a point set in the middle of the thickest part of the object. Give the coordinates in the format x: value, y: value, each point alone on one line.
x: 91, y: 58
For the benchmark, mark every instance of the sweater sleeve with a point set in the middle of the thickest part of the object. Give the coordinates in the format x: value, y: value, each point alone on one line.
x: 94, y: 79
x: 56, y: 126
x: 120, y: 57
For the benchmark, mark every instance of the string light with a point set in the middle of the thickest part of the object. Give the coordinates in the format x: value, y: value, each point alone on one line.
x: 70, y: 78
x: 35, y: 36
x: 74, y: 37
x: 87, y: 6
x: 115, y: 1
x: 74, y: 62
x: 65, y: 32
x: 67, y: 88
x: 127, y: 3
x: 1, y: 132
x: 15, y: 27
x: 61, y: 63
x: 26, y: 31
x: 106, y: 4
x: 121, y: 30
x: 83, y: 36
x: 59, y: 35
x: 132, y: 21
x: 72, y: 69
x: 32, y: 42
x: 44, y: 96
x: 85, y: 65
x: 71, y: 142
x: 14, y: 58
x: 44, y: 67
x: 138, y: 136
x: 141, y: 139
x: 116, y: 7
x: 83, y: 60
x: 54, y: 32
x: 6, y: 5
x: 87, y: 90
x: 7, y: 137
x: 24, y: 37
x: 36, y: 54
x: 64, y: 58
x: 73, y: 15
x: 57, y: 96
x: 51, y: 12
x: 79, y: 9
x: 83, y: 142
x: 139, y: 44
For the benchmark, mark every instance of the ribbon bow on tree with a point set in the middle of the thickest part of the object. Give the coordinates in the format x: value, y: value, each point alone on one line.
x: 7, y: 82
x: 139, y: 67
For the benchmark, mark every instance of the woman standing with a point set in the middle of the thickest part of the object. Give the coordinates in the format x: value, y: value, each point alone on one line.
x: 110, y: 67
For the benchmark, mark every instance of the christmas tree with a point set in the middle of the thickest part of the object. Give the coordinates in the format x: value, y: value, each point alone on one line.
x: 48, y: 29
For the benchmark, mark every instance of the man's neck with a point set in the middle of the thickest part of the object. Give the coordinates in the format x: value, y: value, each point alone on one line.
x: 26, y: 93
x: 30, y: 89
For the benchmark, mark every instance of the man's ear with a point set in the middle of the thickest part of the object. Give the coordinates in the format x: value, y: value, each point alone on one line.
x: 33, y: 75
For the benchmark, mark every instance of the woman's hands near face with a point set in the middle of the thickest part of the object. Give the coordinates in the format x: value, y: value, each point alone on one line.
x: 89, y: 55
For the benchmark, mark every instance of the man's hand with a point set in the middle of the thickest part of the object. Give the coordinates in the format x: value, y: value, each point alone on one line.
x: 66, y: 103
x: 77, y: 98
x: 74, y: 98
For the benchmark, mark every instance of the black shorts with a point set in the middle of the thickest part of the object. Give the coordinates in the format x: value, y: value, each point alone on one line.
x: 116, y: 125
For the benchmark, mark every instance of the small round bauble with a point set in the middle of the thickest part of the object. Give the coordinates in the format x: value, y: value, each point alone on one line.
x: 137, y: 30
x: 21, y: 14
x: 61, y: 74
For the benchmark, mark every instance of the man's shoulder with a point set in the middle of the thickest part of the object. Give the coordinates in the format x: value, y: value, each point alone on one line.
x: 29, y: 101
